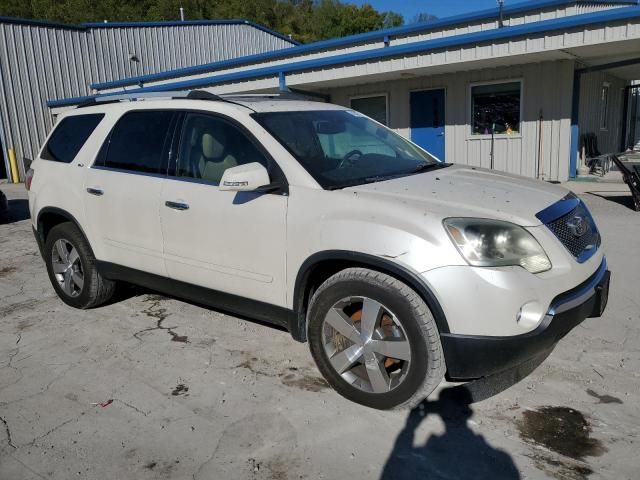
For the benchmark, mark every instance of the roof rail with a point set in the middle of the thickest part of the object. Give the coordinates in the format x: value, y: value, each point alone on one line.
x: 134, y: 97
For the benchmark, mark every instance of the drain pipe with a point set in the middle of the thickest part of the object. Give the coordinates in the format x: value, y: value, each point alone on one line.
x: 493, y: 143
x: 540, y: 143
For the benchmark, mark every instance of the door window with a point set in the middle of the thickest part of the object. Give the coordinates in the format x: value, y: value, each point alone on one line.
x: 210, y: 145
x: 138, y: 142
x: 69, y: 137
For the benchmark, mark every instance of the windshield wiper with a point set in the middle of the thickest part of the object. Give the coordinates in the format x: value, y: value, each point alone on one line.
x: 426, y: 167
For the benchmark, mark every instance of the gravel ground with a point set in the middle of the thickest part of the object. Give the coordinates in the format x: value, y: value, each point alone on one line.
x: 152, y: 387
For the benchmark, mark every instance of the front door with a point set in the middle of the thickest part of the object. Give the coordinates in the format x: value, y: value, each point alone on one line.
x: 232, y: 242
x: 427, y: 121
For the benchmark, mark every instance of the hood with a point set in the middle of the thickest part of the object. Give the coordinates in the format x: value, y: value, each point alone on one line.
x: 459, y: 191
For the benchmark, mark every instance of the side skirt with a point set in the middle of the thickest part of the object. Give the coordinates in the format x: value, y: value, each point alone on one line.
x: 226, y: 302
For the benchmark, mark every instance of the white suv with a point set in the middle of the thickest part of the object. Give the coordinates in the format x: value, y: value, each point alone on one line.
x: 398, y: 269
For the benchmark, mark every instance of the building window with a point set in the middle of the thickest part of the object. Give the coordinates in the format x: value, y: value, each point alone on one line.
x: 604, y: 107
x: 495, y: 108
x: 374, y: 107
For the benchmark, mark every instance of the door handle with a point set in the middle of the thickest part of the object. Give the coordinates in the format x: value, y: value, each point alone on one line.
x: 95, y: 191
x: 177, y: 205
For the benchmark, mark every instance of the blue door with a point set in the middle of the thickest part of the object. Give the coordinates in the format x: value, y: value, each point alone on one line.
x: 427, y: 120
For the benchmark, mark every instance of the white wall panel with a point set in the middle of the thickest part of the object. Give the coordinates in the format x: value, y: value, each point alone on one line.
x: 517, y: 154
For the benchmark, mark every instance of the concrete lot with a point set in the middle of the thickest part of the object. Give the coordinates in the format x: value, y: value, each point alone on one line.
x: 152, y: 387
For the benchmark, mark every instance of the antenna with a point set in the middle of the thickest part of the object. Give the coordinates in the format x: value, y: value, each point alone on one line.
x: 501, y: 7
x: 181, y: 14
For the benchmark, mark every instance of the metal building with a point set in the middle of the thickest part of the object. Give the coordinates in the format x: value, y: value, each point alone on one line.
x: 41, y: 60
x: 514, y: 90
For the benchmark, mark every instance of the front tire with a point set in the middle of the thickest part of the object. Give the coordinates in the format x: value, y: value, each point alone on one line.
x: 72, y: 268
x: 375, y: 340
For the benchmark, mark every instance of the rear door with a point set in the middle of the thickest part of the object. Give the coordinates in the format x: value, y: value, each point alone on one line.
x: 233, y: 242
x: 122, y: 190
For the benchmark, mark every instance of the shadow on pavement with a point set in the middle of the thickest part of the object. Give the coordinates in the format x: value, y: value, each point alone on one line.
x: 18, y: 211
x: 458, y: 453
x: 621, y: 198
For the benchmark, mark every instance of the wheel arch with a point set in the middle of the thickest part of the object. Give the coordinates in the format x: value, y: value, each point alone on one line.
x: 321, y: 265
x: 49, y: 217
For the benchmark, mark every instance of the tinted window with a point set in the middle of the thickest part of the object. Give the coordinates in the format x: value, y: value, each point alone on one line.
x: 69, y: 137
x: 137, y: 142
x: 210, y: 145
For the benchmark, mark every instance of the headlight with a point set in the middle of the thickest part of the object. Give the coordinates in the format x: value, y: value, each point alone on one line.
x: 493, y: 243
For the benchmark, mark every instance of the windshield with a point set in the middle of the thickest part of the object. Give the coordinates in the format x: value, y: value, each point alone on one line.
x: 342, y: 148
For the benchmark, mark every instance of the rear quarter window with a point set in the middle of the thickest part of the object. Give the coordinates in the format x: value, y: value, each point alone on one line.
x: 69, y: 136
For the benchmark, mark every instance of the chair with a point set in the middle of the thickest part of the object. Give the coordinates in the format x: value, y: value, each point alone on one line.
x: 598, y: 163
x: 631, y: 178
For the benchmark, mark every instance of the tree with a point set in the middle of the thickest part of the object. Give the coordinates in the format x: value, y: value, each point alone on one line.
x: 305, y: 20
x: 423, y: 17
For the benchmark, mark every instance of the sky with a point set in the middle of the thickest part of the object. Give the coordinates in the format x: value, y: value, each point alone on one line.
x: 439, y: 8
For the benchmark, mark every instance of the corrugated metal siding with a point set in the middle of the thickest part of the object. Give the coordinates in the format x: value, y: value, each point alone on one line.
x: 170, y: 47
x: 517, y: 154
x: 590, y: 109
x: 38, y: 63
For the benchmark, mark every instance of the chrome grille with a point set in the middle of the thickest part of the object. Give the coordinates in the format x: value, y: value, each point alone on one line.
x: 577, y: 231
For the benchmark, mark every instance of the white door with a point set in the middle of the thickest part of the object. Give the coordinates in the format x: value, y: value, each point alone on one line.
x: 227, y: 241
x: 122, y: 191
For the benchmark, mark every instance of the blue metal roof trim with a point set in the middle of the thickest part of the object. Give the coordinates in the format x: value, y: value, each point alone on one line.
x: 91, y: 25
x: 40, y: 23
x: 170, y: 23
x: 353, y: 39
x: 178, y: 23
x: 384, y: 52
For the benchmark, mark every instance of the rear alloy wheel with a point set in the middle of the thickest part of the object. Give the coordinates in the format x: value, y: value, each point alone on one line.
x: 374, y: 339
x: 67, y: 267
x: 72, y: 268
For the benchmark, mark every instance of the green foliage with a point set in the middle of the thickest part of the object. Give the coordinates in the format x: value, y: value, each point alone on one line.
x: 423, y: 17
x: 305, y: 20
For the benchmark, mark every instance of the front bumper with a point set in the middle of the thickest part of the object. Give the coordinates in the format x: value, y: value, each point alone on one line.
x: 473, y: 356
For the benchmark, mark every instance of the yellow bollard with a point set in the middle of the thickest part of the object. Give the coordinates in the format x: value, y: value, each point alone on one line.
x: 13, y: 163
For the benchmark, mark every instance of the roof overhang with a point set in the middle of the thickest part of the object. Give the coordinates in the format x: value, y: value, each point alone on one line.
x: 380, y: 36
x: 585, y: 38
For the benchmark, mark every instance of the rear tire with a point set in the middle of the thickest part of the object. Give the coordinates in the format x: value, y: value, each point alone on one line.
x: 72, y: 268
x: 356, y: 320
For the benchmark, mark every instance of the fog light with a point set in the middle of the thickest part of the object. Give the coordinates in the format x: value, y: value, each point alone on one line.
x: 530, y: 315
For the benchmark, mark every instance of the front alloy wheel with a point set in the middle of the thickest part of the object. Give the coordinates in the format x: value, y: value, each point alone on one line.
x: 374, y: 339
x: 366, y: 344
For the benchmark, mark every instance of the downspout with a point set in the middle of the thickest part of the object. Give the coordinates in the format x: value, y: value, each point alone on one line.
x: 575, y: 125
x: 626, y: 120
x: 282, y: 83
x: 540, y: 173
x: 5, y: 150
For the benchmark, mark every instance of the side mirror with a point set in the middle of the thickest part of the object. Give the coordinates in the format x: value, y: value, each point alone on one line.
x: 244, y: 178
